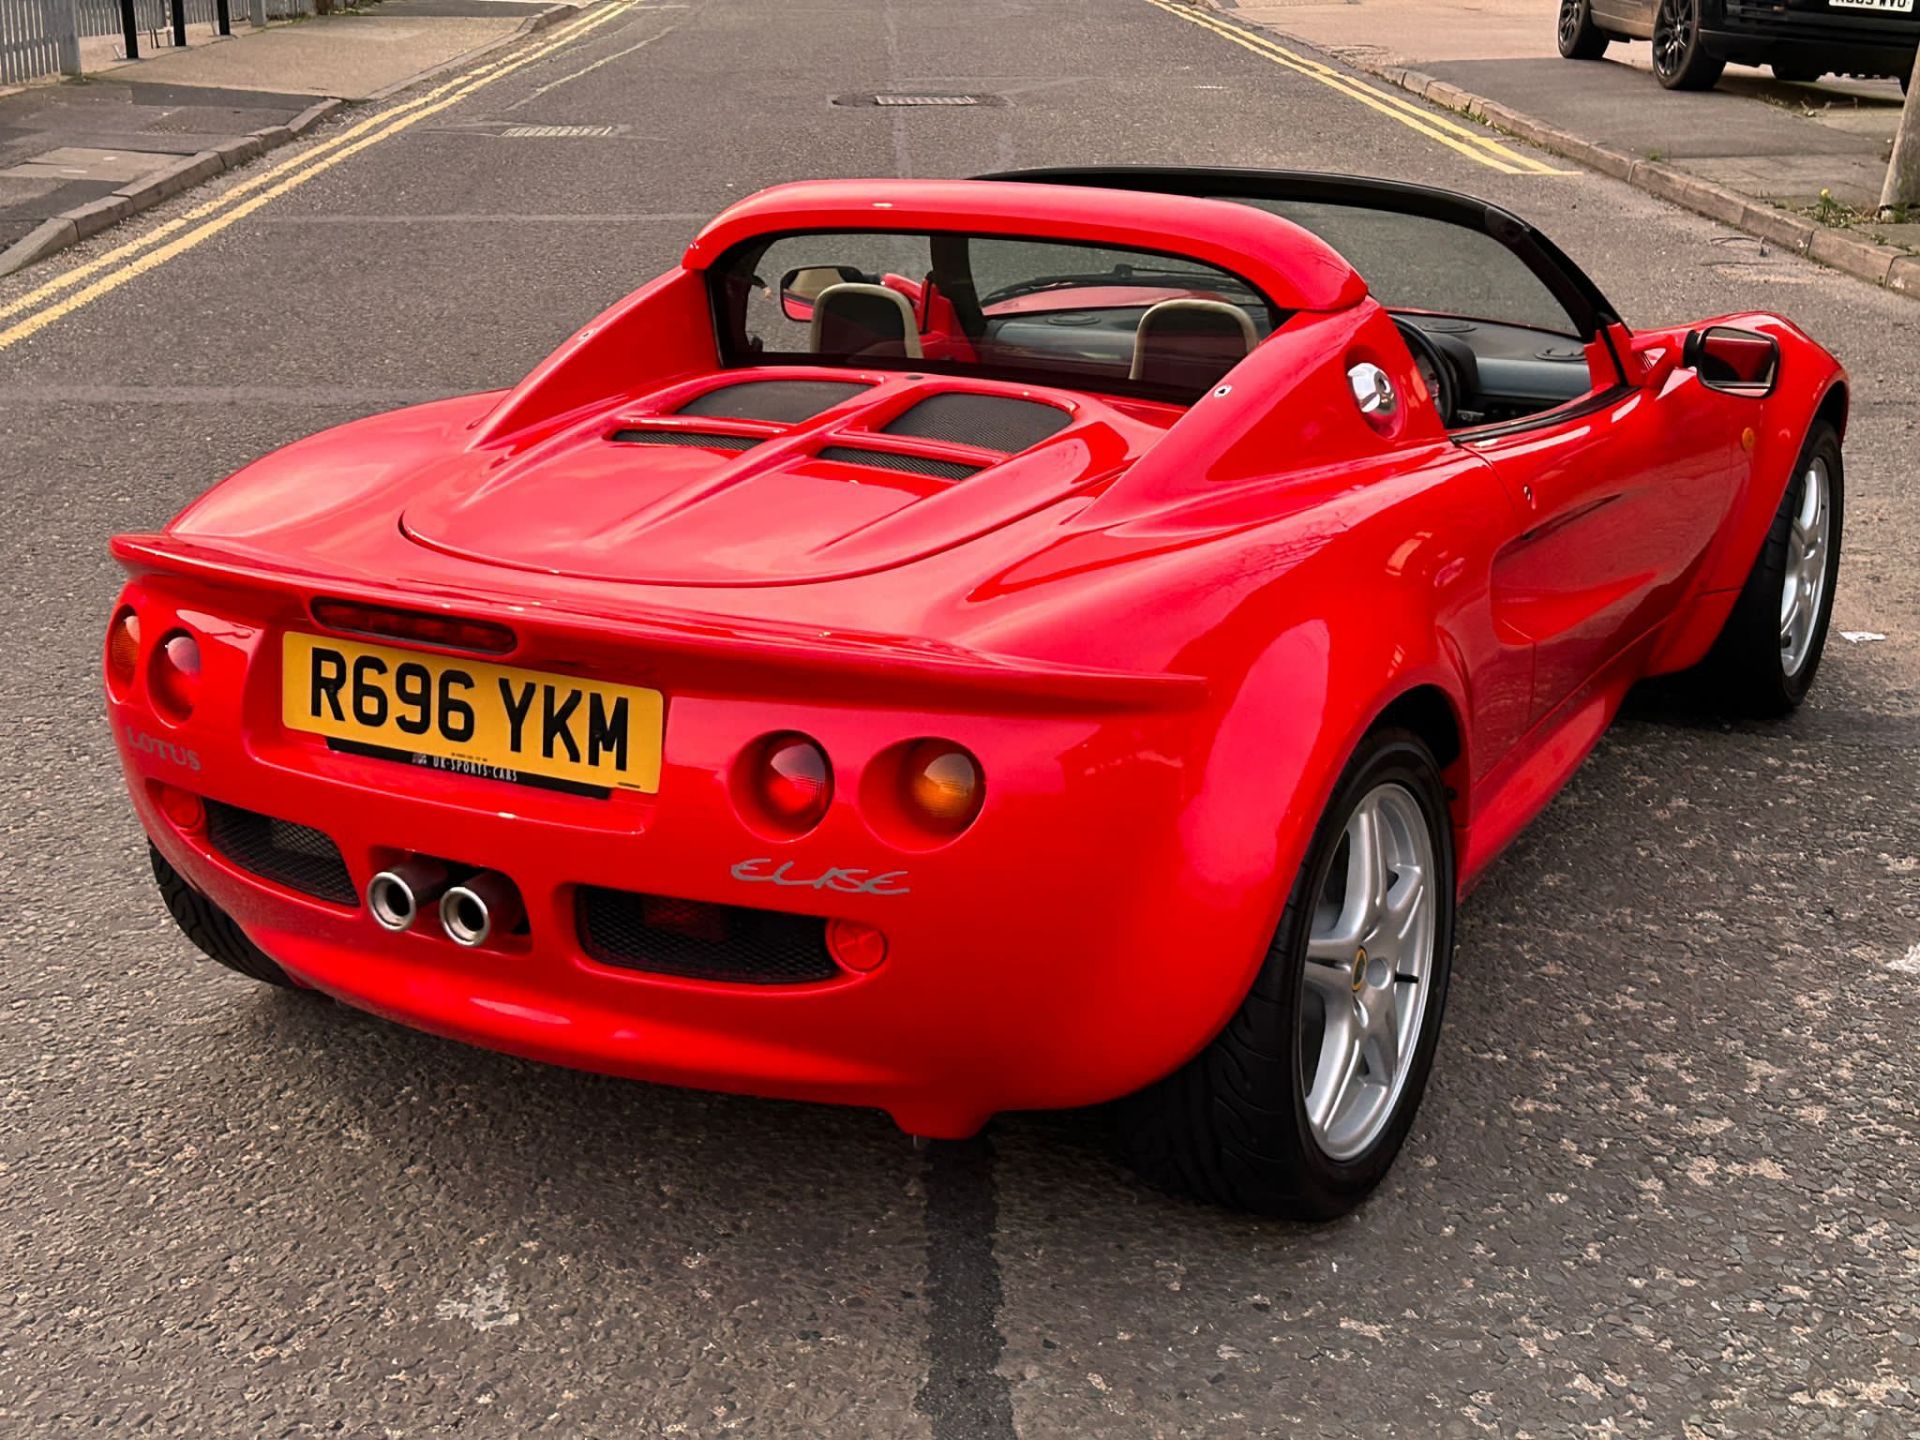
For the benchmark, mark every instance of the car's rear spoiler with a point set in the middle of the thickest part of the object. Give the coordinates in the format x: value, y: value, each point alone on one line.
x: 734, y: 652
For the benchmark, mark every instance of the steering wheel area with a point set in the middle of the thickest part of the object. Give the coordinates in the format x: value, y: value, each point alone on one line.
x: 1443, y: 383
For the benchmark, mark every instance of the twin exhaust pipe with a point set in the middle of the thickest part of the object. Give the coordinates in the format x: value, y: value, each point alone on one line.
x: 480, y: 907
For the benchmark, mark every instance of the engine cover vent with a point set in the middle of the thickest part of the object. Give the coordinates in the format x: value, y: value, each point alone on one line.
x: 993, y: 422
x: 786, y: 402
x: 907, y: 464
x: 700, y: 439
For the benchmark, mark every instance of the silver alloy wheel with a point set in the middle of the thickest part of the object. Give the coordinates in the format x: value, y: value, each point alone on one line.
x: 1805, y: 587
x: 1672, y: 35
x: 1570, y: 18
x: 1368, y: 972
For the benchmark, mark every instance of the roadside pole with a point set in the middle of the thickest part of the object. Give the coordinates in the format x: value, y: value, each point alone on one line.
x: 1903, y: 172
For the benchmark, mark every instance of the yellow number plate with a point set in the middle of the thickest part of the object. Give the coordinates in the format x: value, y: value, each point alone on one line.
x: 466, y: 715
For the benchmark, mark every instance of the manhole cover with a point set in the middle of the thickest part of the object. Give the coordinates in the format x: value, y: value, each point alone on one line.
x: 891, y: 102
x: 559, y: 132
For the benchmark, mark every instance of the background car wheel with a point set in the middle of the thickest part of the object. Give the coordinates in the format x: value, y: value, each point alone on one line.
x: 1679, y: 61
x: 210, y: 927
x: 1580, y: 38
x: 1765, y: 659
x: 1298, y: 1107
x: 1796, y: 74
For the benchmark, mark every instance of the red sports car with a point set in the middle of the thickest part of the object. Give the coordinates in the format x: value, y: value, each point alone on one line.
x: 957, y: 646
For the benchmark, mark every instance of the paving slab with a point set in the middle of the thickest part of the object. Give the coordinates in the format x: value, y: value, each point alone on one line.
x: 347, y: 56
x: 139, y: 118
x: 1754, y: 137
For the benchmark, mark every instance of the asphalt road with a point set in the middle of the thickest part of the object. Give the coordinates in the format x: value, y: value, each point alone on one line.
x: 1664, y: 1180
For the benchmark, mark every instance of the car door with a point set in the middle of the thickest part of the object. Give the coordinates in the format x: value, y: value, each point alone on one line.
x: 1624, y: 17
x: 1621, y: 498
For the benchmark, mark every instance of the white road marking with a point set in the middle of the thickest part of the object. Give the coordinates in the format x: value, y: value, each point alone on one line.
x: 589, y: 69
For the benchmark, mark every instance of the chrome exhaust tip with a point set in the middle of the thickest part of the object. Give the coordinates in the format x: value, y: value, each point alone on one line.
x: 484, y: 906
x: 395, y: 896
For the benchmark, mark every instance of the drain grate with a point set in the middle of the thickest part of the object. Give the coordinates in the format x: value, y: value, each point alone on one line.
x: 559, y: 132
x: 933, y: 100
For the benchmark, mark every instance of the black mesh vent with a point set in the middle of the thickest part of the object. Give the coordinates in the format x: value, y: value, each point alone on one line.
x: 992, y: 422
x: 296, y: 856
x: 702, y: 439
x: 703, y: 942
x: 787, y: 401
x: 911, y: 464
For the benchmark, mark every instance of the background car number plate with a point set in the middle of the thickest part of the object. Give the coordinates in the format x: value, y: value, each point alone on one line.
x: 492, y: 717
x: 1902, y: 6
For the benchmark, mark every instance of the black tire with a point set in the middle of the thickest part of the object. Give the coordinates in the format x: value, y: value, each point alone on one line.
x: 1746, y: 672
x: 1680, y: 60
x: 1231, y: 1125
x: 212, y: 930
x: 1580, y: 38
x: 1796, y: 74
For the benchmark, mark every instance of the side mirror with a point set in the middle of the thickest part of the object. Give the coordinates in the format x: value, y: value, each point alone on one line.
x: 799, y: 288
x: 1734, y: 362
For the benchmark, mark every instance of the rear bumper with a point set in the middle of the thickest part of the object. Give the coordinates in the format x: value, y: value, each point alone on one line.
x: 1759, y: 32
x: 1063, y: 951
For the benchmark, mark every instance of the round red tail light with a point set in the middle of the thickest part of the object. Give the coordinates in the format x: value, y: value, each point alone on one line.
x: 123, y: 647
x: 792, y: 782
x: 943, y: 786
x: 174, y: 681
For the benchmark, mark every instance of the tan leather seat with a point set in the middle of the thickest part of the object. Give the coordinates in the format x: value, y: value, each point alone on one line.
x: 1191, y: 342
x: 857, y: 319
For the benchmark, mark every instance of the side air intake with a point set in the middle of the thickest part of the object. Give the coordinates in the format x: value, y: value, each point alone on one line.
x: 993, y: 422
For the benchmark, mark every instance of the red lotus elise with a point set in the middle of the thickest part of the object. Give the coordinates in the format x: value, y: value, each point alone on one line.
x: 957, y: 646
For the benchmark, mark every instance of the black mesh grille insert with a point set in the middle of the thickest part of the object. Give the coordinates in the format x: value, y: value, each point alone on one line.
x: 993, y: 422
x: 911, y: 464
x: 296, y: 856
x: 703, y: 439
x: 787, y: 401
x: 702, y: 942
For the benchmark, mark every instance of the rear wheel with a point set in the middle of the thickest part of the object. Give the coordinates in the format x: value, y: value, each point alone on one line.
x: 1680, y: 60
x: 1580, y: 38
x: 1796, y: 74
x: 1299, y: 1106
x: 1765, y: 659
x: 212, y: 929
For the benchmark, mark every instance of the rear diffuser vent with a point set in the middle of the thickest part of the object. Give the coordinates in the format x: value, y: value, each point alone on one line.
x: 993, y: 422
x: 296, y: 856
x: 702, y: 942
x: 701, y: 439
x: 785, y: 401
x: 909, y: 464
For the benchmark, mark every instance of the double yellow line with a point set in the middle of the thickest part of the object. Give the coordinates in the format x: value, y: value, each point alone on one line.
x: 59, y: 296
x: 1475, y: 144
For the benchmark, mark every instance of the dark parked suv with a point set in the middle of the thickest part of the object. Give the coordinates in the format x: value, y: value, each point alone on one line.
x: 1693, y: 40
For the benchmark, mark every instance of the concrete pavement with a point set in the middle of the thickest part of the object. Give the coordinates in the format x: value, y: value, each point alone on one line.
x: 1754, y: 136
x: 75, y: 158
x: 1662, y: 1185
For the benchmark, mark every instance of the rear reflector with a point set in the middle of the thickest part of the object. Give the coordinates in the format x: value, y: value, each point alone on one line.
x: 449, y: 632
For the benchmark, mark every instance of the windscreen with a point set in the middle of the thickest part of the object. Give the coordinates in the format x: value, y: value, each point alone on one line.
x: 1035, y: 311
x: 1414, y: 262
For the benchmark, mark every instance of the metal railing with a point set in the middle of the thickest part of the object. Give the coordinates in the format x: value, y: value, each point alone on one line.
x: 39, y: 37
